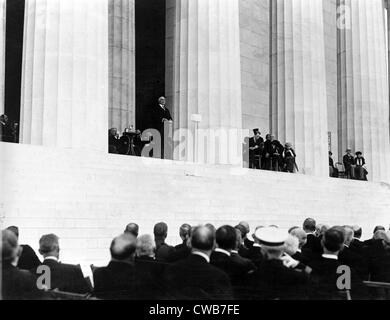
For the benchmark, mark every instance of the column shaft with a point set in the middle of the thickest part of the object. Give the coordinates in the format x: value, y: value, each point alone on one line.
x: 206, y: 76
x: 3, y: 13
x: 298, y: 79
x: 121, y: 64
x: 65, y: 74
x: 363, y: 86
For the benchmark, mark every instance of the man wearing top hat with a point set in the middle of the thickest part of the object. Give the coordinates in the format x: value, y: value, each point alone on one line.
x: 256, y: 144
x: 349, y: 162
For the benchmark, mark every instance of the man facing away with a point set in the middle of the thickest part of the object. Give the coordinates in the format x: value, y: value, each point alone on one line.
x: 163, y: 251
x: 64, y: 277
x: 116, y: 281
x: 16, y: 284
x: 195, y: 278
x: 28, y: 259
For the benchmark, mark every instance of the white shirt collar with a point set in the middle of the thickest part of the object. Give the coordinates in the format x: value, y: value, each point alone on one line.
x: 51, y: 258
x: 257, y: 245
x: 222, y: 251
x: 330, y: 256
x: 162, y: 106
x: 299, y: 250
x: 203, y: 255
x: 234, y: 251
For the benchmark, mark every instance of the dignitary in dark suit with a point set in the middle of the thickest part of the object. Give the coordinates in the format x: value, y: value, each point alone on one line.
x: 313, y: 245
x: 356, y: 244
x: 351, y: 258
x: 16, y: 284
x: 247, y: 242
x: 116, y: 281
x: 114, y: 143
x: 325, y: 273
x: 274, y: 279
x: 256, y: 146
x: 182, y: 250
x: 273, y: 150
x: 28, y: 259
x: 163, y: 251
x: 236, y: 269
x: 161, y: 120
x: 379, y: 257
x: 64, y: 277
x: 349, y: 163
x: 360, y: 167
x: 195, y: 278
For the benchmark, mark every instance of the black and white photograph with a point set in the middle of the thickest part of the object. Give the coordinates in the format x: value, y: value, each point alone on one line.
x: 195, y: 157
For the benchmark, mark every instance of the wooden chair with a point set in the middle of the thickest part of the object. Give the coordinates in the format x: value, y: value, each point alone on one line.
x: 379, y: 290
x: 340, y: 167
x: 61, y: 295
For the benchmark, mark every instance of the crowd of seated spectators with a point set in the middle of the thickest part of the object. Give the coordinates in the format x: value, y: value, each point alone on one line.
x: 223, y: 264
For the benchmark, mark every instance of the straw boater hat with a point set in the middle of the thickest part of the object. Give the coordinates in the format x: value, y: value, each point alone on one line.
x: 271, y: 237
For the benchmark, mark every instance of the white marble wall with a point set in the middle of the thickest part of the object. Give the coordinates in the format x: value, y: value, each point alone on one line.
x: 121, y: 63
x: 204, y: 76
x: 364, y: 90
x: 65, y: 74
x: 2, y: 52
x: 299, y: 97
x: 255, y: 63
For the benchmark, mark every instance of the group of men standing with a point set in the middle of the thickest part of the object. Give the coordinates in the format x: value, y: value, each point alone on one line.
x: 271, y: 154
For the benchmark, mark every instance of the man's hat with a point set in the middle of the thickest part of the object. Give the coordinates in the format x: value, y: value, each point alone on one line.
x: 256, y: 131
x: 271, y: 237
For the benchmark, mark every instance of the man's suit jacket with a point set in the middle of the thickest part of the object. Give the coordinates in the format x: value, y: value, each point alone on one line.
x: 357, y: 246
x: 115, y: 282
x: 313, y: 245
x: 181, y: 252
x: 157, y: 114
x: 255, y: 255
x: 253, y: 143
x: 235, y: 267
x: 275, y: 281
x: 195, y: 279
x: 28, y: 259
x: 66, y: 277
x: 148, y: 279
x: 354, y: 260
x: 164, y: 252
x: 18, y: 284
x: 348, y: 161
x: 325, y: 278
x: 301, y: 257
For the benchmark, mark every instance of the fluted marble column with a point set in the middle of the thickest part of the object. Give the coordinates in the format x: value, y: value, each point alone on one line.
x: 121, y: 63
x: 3, y: 12
x: 205, y: 78
x: 299, y: 102
x: 65, y: 74
x: 363, y: 86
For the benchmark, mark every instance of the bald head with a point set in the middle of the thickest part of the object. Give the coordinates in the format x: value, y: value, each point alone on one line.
x: 202, y: 239
x: 309, y: 225
x: 123, y: 247
x: 133, y: 229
